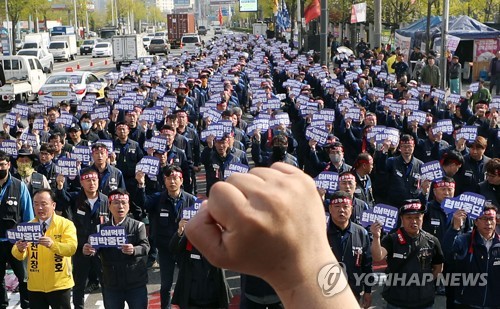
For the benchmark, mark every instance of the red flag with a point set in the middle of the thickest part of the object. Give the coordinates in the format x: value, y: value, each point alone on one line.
x: 312, y: 11
x: 220, y: 16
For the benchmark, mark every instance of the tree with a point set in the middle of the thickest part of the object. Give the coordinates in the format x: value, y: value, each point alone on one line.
x: 15, y: 8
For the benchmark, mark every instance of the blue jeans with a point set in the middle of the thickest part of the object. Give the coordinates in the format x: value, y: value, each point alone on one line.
x: 136, y: 298
x: 167, y: 267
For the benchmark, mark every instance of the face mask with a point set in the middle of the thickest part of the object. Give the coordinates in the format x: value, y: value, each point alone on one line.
x: 335, y: 158
x: 3, y: 174
x: 30, y: 125
x: 85, y: 126
x: 25, y: 169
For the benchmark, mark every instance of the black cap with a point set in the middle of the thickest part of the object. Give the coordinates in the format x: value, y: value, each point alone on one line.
x: 412, y: 206
x: 74, y: 127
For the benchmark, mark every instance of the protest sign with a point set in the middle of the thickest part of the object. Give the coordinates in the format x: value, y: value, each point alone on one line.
x: 108, y: 143
x: 67, y: 167
x: 390, y: 134
x: 235, y: 168
x: 10, y: 119
x: 469, y: 133
x: 328, y: 181
x: 354, y: 113
x: 190, y: 212
x: 82, y: 154
x: 101, y: 112
x: 149, y: 166
x: 444, y: 126
x: 109, y: 237
x: 431, y: 171
x: 418, y: 116
x: 9, y: 147
x: 158, y: 143
x: 386, y: 215
x: 318, y: 134
x: 25, y: 231
x: 38, y: 124
x: 66, y: 119
x: 471, y: 203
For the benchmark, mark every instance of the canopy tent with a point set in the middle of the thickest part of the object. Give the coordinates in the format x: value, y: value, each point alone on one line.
x: 462, y: 26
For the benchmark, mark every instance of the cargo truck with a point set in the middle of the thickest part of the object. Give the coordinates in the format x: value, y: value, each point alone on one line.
x: 178, y: 25
x: 126, y: 49
x: 63, y: 47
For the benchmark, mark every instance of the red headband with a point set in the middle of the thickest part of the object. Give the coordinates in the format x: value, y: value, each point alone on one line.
x: 489, y: 213
x: 89, y: 176
x: 347, y: 177
x: 96, y: 149
x: 118, y: 196
x: 408, y: 142
x: 444, y: 184
x: 341, y: 200
x: 363, y: 161
x: 177, y: 174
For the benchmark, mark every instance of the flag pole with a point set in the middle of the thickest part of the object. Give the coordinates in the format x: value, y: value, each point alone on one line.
x: 324, y: 32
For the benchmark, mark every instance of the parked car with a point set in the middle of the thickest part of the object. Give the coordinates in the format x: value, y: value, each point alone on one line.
x: 69, y: 85
x: 102, y: 49
x: 146, y: 41
x: 19, y: 44
x: 191, y: 43
x: 202, y: 30
x: 46, y: 59
x: 159, y: 45
x: 87, y: 46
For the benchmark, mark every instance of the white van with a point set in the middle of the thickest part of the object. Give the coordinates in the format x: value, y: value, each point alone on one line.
x: 191, y: 43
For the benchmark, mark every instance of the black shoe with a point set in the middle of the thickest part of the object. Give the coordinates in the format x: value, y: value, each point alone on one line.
x: 91, y: 287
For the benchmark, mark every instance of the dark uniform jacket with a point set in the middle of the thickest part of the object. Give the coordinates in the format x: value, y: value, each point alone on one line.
x: 352, y: 247
x: 409, y: 257
x: 121, y: 271
x: 199, y: 283
x: 469, y: 254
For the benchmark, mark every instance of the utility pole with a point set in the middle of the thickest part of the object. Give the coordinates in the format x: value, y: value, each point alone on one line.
x: 324, y: 32
x: 377, y: 35
x: 444, y: 42
x: 299, y: 25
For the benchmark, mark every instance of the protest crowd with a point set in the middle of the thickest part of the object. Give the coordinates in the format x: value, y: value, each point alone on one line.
x: 95, y: 192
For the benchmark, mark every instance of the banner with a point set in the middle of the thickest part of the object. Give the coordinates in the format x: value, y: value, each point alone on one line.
x: 485, y: 49
x: 67, y: 167
x: 469, y: 133
x: 109, y: 237
x: 235, y: 168
x: 358, y: 13
x: 318, y: 134
x: 403, y: 43
x: 248, y: 5
x: 451, y: 43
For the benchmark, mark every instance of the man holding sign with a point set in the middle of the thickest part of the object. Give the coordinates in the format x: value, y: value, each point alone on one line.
x: 475, y: 253
x: 165, y: 211
x: 472, y: 171
x: 125, y: 275
x: 49, y: 268
x: 409, y: 251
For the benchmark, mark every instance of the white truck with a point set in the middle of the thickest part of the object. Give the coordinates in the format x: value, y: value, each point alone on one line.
x: 36, y: 40
x: 63, y: 47
x: 127, y: 48
x: 24, y: 75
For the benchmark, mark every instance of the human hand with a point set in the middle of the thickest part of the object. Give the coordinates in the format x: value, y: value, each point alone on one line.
x: 243, y: 226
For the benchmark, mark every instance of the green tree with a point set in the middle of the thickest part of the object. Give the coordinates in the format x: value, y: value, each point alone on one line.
x: 15, y: 9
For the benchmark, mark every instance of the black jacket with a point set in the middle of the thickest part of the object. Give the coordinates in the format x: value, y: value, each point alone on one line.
x: 124, y: 272
x: 199, y: 283
x: 352, y: 247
